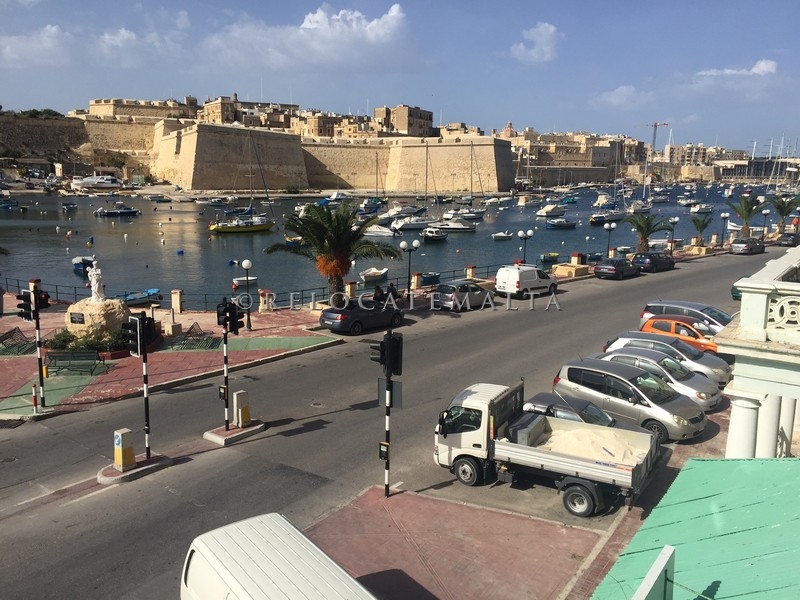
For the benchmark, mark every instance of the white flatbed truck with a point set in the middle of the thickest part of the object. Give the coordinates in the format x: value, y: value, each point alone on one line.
x: 485, y: 432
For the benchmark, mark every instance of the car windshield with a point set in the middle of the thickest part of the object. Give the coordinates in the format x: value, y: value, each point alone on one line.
x: 592, y: 414
x: 687, y: 350
x: 717, y: 315
x: 675, y: 368
x: 654, y: 388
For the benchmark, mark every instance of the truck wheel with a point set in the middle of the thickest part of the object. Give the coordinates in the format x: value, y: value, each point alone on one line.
x: 578, y: 501
x: 658, y: 430
x: 467, y: 471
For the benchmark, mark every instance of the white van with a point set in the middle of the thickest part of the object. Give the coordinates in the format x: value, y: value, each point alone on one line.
x: 263, y: 557
x: 523, y: 281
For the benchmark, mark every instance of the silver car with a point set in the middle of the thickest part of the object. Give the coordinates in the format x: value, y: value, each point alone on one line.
x: 460, y: 294
x: 713, y: 318
x: 698, y: 388
x: 631, y: 394
x: 703, y: 363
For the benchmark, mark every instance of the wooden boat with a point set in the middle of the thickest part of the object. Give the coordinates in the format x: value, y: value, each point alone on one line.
x: 81, y: 264
x: 433, y: 234
x: 560, y: 223
x: 502, y: 235
x: 373, y: 274
x: 431, y: 278
x: 239, y: 224
x: 141, y: 297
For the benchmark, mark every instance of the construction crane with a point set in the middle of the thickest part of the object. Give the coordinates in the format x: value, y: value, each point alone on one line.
x: 651, y: 154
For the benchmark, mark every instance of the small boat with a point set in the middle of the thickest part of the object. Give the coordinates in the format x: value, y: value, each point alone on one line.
x: 81, y: 264
x: 433, y: 234
x: 431, y: 278
x: 68, y: 206
x: 119, y: 210
x: 552, y: 210
x: 684, y: 201
x: 560, y: 223
x: 159, y: 198
x: 293, y: 240
x: 373, y: 274
x: 702, y: 209
x: 9, y: 204
x: 603, y: 201
x: 412, y: 222
x: 606, y: 216
x: 638, y: 207
x: 549, y: 257
x: 456, y: 225
x: 239, y: 224
x: 502, y: 235
x: 140, y: 298
x: 470, y: 214
x: 380, y: 231
x: 241, y: 211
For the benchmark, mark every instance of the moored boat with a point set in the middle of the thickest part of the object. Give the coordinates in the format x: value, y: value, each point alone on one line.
x: 81, y: 264
x: 456, y: 225
x: 373, y: 274
x: 502, y: 235
x: 560, y: 223
x: 239, y: 224
x: 141, y: 297
x: 433, y: 234
x: 380, y: 231
x: 119, y: 210
x: 552, y: 210
x: 606, y: 216
x: 702, y: 209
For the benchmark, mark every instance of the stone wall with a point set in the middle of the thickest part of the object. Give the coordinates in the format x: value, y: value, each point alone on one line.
x: 346, y: 164
x: 45, y: 137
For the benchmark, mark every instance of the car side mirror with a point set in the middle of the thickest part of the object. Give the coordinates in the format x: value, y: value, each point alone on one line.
x: 443, y: 424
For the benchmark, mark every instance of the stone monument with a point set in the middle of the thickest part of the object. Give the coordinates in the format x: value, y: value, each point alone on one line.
x: 97, y: 313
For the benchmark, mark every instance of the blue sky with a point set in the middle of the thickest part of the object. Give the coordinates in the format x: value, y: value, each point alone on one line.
x: 724, y: 73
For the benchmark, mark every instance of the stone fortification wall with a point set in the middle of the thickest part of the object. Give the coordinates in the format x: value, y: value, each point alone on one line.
x: 160, y: 109
x: 346, y: 164
x: 218, y: 157
x: 120, y: 134
x: 42, y: 137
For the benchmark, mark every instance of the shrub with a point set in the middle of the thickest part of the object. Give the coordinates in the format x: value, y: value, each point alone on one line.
x: 60, y: 340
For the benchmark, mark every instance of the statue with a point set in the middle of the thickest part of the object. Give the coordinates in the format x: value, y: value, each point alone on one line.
x: 96, y: 280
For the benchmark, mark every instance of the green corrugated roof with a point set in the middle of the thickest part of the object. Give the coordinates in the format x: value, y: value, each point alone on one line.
x: 735, y: 526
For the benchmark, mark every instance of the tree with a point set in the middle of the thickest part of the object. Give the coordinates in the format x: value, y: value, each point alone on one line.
x: 701, y: 223
x: 784, y: 206
x: 745, y: 209
x: 645, y: 225
x: 118, y: 160
x: 333, y: 239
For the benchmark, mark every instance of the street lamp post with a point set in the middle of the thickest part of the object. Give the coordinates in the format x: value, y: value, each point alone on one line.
x: 724, y: 216
x: 672, y: 221
x: 247, y: 265
x: 609, y: 227
x: 764, y: 212
x: 525, y: 236
x: 405, y: 247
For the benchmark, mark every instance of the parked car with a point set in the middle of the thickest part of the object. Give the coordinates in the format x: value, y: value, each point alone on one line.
x: 713, y: 318
x: 698, y: 388
x: 711, y: 366
x: 570, y: 408
x: 683, y: 328
x: 652, y: 262
x: 633, y: 395
x: 749, y: 245
x: 788, y: 239
x: 615, y: 268
x: 360, y: 314
x: 459, y: 294
x: 522, y: 281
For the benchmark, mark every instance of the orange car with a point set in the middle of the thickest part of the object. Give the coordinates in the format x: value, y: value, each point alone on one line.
x: 681, y: 327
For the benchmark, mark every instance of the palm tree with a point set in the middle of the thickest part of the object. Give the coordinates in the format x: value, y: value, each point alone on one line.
x: 645, y: 225
x: 784, y: 206
x: 333, y: 239
x: 701, y: 223
x: 746, y: 209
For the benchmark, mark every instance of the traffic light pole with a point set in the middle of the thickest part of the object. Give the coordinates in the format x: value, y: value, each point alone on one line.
x: 146, y: 395
x: 389, y: 390
x: 39, y: 357
x: 225, y: 373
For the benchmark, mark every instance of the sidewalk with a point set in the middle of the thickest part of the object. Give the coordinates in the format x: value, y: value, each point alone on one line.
x: 274, y: 334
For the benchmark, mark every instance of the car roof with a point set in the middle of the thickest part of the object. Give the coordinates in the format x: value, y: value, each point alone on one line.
x: 679, y: 318
x: 681, y: 303
x: 634, y: 334
x: 552, y: 398
x: 606, y: 366
x: 456, y: 282
x: 654, y: 355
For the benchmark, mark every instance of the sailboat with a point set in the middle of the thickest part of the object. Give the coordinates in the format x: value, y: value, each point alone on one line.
x: 247, y: 222
x: 467, y: 212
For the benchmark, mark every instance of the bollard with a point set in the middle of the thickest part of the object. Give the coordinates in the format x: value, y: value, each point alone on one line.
x: 241, y: 409
x: 35, y: 399
x: 124, y: 457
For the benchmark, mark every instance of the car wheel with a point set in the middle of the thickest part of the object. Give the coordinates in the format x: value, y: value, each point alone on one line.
x: 397, y: 319
x: 525, y: 294
x: 658, y: 430
x: 356, y: 328
x: 466, y: 471
x: 552, y: 289
x: 578, y: 501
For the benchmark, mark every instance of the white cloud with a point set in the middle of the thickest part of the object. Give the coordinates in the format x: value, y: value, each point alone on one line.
x: 346, y: 38
x: 762, y: 67
x: 625, y: 96
x: 543, y: 39
x: 47, y: 47
x: 182, y: 20
x: 118, y: 39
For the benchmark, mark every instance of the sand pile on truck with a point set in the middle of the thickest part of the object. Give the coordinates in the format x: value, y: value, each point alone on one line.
x: 602, y: 445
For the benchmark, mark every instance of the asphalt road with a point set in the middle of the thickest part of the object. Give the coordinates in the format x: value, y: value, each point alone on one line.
x: 64, y: 536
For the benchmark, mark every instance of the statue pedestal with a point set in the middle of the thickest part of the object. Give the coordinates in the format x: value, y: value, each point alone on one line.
x: 88, y: 316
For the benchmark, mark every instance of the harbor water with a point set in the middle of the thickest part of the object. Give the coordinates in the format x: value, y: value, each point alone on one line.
x: 169, y: 246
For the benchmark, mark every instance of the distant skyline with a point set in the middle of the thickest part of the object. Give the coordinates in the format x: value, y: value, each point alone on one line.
x: 718, y: 72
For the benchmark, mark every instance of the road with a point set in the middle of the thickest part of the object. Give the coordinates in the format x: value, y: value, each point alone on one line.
x: 64, y: 536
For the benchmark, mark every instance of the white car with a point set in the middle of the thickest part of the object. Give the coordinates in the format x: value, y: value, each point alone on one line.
x: 698, y: 388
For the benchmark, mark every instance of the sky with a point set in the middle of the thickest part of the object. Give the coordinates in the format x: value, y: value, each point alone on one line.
x: 716, y: 72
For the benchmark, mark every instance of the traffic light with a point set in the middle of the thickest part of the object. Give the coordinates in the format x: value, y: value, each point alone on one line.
x: 222, y: 315
x: 132, y: 333
x: 394, y: 354
x: 234, y: 320
x: 42, y: 299
x: 378, y: 352
x: 27, y: 309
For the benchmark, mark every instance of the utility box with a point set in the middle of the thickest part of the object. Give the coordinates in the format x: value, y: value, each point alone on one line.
x: 241, y: 409
x: 124, y: 457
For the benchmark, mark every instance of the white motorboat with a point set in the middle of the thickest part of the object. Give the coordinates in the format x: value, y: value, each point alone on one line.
x: 606, y: 216
x: 702, y: 209
x: 412, y: 222
x: 101, y: 182
x: 552, y: 210
x: 373, y: 274
x: 502, y: 235
x: 433, y: 234
x: 380, y: 231
x: 639, y: 207
x: 464, y: 212
x: 455, y: 225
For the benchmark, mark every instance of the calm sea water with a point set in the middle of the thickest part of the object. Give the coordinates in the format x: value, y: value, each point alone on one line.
x: 168, y: 246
